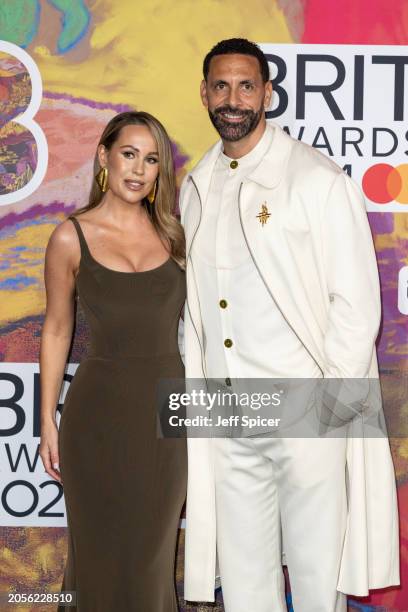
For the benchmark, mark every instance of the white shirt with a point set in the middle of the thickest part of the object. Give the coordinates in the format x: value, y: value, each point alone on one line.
x: 224, y: 270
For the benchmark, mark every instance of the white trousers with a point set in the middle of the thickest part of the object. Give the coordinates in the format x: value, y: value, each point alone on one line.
x: 274, y: 492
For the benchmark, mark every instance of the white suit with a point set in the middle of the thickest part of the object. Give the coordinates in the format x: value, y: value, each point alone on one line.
x: 317, y: 260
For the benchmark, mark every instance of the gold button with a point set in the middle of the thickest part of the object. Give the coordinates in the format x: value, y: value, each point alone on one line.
x: 228, y: 343
x: 228, y: 382
x: 234, y: 164
x: 223, y: 303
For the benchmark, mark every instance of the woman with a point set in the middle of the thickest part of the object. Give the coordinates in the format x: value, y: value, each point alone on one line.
x: 124, y: 488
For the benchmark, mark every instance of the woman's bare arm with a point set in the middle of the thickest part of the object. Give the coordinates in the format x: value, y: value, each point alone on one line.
x: 61, y: 261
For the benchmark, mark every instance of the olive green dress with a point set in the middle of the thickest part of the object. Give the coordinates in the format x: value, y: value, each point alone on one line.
x: 124, y: 487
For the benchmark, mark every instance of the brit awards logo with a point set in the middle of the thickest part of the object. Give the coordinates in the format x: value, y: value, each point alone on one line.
x: 349, y: 102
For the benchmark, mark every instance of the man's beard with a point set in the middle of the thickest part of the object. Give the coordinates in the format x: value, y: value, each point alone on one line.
x: 235, y: 131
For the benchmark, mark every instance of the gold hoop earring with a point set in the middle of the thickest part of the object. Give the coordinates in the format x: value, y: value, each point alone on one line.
x: 102, y: 179
x: 152, y: 195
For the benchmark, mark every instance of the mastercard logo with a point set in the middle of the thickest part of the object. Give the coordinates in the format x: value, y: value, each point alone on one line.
x: 383, y: 183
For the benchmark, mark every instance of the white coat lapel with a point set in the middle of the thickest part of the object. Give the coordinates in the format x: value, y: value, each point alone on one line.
x: 198, y: 183
x: 267, y: 242
x: 192, y: 211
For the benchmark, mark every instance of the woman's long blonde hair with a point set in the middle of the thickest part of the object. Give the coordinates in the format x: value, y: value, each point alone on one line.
x: 162, y: 210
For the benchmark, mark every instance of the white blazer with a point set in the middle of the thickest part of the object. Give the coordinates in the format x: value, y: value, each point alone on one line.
x: 316, y: 257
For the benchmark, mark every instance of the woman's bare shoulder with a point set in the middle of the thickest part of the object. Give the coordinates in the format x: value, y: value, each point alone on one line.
x: 63, y: 235
x: 64, y: 243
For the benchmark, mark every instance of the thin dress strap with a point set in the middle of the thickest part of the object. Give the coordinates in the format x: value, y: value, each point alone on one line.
x: 82, y: 241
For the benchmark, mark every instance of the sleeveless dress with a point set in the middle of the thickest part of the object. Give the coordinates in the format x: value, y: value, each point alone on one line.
x: 124, y: 487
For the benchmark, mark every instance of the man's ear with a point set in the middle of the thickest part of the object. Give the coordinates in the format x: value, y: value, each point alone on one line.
x: 102, y: 156
x: 268, y: 94
x: 203, y: 93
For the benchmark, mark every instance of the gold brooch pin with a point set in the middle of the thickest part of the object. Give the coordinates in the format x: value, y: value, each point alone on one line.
x: 264, y: 214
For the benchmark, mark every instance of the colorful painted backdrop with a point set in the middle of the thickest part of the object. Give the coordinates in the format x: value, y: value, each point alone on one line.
x: 98, y: 57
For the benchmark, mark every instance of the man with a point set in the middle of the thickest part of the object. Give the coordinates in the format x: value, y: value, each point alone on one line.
x: 282, y: 282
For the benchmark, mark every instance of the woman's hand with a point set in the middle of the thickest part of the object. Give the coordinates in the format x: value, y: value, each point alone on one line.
x: 49, y: 449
